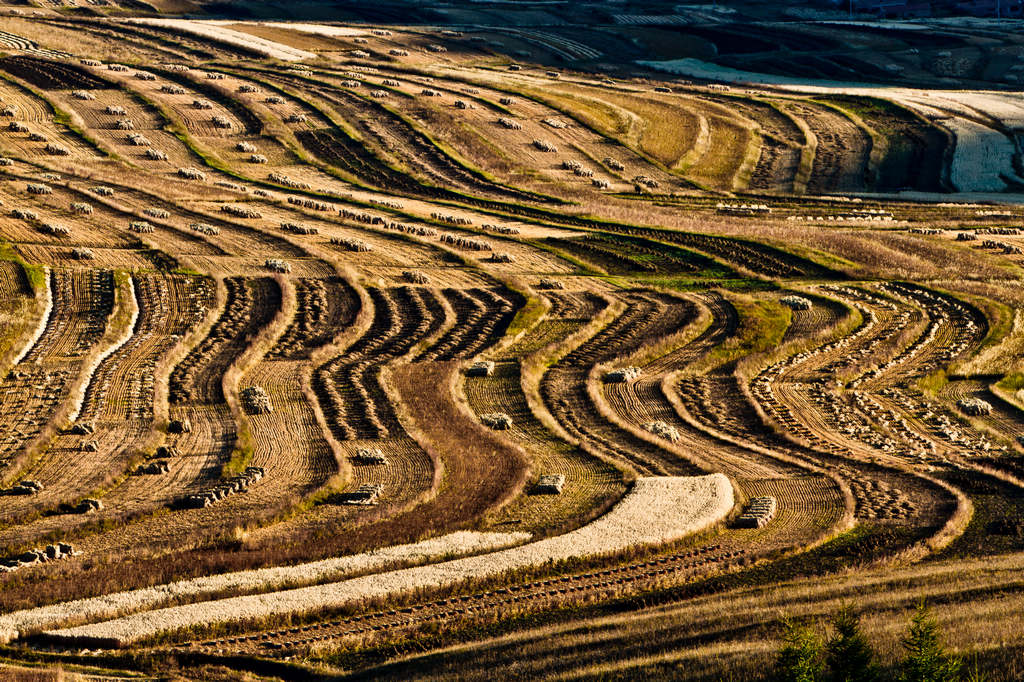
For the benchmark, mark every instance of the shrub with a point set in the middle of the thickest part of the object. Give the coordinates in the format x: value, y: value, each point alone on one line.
x: 927, y: 659
x: 848, y: 655
x: 800, y: 659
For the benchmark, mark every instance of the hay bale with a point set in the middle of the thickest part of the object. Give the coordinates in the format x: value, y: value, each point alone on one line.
x: 221, y: 122
x: 368, y: 456
x: 544, y: 146
x: 299, y: 228
x: 510, y: 123
x: 664, y: 430
x: 155, y: 155
x: 57, y: 150
x: 54, y: 230
x: 277, y: 265
x: 365, y: 494
x: 124, y: 124
x: 202, y: 104
x: 613, y: 164
x: 549, y: 484
x: 255, y: 400
x: 172, y: 89
x: 974, y: 407
x: 415, y: 277
x: 81, y: 208
x: 246, y: 147
x: 180, y: 426
x: 141, y: 227
x: 139, y: 140
x: 351, y: 244
x: 191, y: 173
x: 481, y: 368
x: 241, y: 211
x: 282, y: 179
x: 4, y: 161
x: 112, y: 110
x: 247, y: 88
x: 205, y: 228
x: 498, y: 421
x: 257, y: 158
x: 467, y: 243
x: 758, y: 514
x: 88, y: 505
x: 144, y: 76
x: 550, y: 284
x: 38, y: 188
x: 83, y: 428
x: 17, y: 127
x: 622, y: 375
x: 796, y: 302
x: 158, y: 213
x: 153, y: 468
x: 310, y: 203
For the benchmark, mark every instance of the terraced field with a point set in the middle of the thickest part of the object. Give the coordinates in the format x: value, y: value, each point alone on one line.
x: 506, y: 344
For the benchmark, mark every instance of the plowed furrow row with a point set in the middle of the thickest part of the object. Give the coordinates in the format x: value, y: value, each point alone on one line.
x: 251, y: 304
x: 348, y: 386
x: 31, y: 393
x: 482, y: 316
x: 564, y: 388
x: 324, y: 307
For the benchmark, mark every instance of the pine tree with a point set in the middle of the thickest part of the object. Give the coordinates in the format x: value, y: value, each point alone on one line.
x: 800, y: 659
x: 848, y: 655
x: 927, y: 659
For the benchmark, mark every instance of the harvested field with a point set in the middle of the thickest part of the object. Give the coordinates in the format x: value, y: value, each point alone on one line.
x: 634, y: 521
x: 348, y: 386
x: 290, y: 312
x: 251, y: 304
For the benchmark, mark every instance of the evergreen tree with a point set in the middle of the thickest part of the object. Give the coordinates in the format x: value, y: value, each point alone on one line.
x: 927, y: 659
x: 800, y: 659
x: 848, y: 655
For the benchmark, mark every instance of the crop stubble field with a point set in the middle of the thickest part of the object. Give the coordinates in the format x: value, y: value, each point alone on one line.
x: 262, y: 307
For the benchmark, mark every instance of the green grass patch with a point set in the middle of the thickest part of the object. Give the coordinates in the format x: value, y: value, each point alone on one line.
x: 738, y: 284
x: 245, y: 448
x: 763, y: 323
x: 34, y: 273
x: 934, y: 382
x: 1012, y: 382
